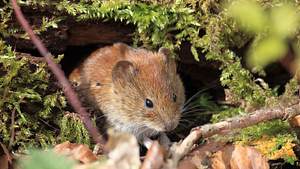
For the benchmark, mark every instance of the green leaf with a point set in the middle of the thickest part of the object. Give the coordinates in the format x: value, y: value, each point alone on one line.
x: 46, y: 160
x: 249, y: 14
x: 284, y: 20
x: 266, y: 51
x: 195, y: 53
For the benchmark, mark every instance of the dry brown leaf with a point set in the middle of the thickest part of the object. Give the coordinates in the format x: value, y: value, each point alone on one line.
x: 78, y: 152
x: 200, y: 156
x: 238, y: 157
x: 218, y: 155
x: 184, y: 164
x: 295, y: 121
x: 123, y: 153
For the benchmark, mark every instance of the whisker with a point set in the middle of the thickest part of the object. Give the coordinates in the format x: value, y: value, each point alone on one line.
x: 195, y: 110
x: 194, y: 96
x: 141, y: 127
x: 153, y: 133
x: 190, y: 115
x: 142, y: 130
x: 191, y: 111
x: 188, y: 108
x: 208, y: 112
x: 185, y: 120
x: 99, y: 117
x: 183, y: 125
x: 199, y: 112
x: 194, y: 114
x: 179, y: 135
x: 171, y: 132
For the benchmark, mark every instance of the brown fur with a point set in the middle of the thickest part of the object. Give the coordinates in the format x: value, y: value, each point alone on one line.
x: 117, y: 80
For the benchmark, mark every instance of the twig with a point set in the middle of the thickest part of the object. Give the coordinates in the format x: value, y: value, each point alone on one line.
x: 59, y: 74
x: 179, y: 150
x: 12, y: 123
x: 12, y: 128
x: 7, y: 154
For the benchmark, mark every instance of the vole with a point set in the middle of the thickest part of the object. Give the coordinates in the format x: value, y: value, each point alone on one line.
x: 139, y: 91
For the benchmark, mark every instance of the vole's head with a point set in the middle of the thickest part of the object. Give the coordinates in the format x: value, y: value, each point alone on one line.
x: 148, y: 90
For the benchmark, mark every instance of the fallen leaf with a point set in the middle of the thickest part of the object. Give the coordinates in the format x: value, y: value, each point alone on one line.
x: 123, y: 153
x: 238, y: 157
x: 219, y: 155
x: 295, y: 121
x: 200, y: 156
x: 78, y: 152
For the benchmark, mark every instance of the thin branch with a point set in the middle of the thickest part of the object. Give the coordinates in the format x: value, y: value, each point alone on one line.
x: 179, y: 150
x: 12, y: 128
x: 59, y: 74
x: 7, y: 154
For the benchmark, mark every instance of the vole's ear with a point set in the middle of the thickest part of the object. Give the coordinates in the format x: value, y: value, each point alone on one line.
x: 123, y: 71
x: 167, y: 58
x: 166, y: 53
x: 122, y: 48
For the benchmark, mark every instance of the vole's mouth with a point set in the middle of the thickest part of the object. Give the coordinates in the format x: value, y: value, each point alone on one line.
x: 166, y: 127
x: 156, y: 129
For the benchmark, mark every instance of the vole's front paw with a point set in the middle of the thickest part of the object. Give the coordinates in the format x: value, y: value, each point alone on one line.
x: 147, y: 142
x: 164, y: 141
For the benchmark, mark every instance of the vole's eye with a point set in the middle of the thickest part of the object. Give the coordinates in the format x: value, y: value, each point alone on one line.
x: 174, y: 97
x: 148, y: 103
x: 98, y: 84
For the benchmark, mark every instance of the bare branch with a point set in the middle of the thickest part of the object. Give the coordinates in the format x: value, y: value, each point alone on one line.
x: 179, y: 150
x: 59, y: 74
x: 12, y: 128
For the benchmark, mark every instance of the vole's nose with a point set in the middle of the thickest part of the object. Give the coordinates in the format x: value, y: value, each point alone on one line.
x: 170, y: 125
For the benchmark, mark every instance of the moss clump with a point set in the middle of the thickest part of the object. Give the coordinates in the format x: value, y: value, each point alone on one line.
x: 72, y: 129
x: 28, y: 101
x: 206, y: 25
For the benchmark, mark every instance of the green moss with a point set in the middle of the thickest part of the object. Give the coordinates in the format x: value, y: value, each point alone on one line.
x: 275, y: 128
x: 226, y: 113
x: 206, y: 25
x: 28, y: 99
x: 73, y: 130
